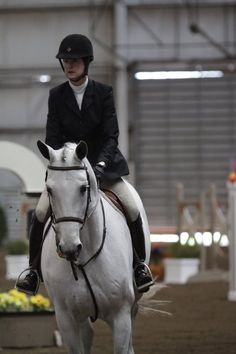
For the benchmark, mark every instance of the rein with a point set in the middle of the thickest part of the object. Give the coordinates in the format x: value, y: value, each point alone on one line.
x: 81, y: 266
x: 82, y: 221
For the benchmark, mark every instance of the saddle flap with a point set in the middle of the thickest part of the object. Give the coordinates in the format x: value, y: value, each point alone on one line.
x: 115, y: 200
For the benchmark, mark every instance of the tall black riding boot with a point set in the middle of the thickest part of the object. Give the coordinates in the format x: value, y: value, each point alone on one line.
x: 30, y: 283
x: 142, y: 273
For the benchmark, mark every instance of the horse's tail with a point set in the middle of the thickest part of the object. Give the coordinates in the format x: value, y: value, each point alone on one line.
x: 148, y: 305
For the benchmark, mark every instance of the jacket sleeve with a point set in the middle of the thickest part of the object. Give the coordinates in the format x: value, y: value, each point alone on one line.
x: 109, y: 129
x: 54, y: 136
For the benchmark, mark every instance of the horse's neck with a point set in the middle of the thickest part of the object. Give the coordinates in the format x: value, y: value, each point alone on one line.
x: 93, y: 229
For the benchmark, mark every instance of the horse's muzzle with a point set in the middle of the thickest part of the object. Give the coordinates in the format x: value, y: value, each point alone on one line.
x: 70, y: 255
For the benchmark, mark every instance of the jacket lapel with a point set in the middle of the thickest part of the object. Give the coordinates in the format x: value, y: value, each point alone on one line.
x: 88, y: 96
x: 87, y: 99
x: 71, y: 100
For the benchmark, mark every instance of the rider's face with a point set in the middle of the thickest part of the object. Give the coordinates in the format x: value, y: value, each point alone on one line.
x: 74, y: 70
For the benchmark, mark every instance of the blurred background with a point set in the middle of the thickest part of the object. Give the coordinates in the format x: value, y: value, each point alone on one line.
x: 172, y: 65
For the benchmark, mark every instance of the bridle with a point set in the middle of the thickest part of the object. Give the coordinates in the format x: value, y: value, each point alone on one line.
x: 73, y: 218
x: 82, y: 222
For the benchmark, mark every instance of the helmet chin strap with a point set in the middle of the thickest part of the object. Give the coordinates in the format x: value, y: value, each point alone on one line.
x: 60, y: 61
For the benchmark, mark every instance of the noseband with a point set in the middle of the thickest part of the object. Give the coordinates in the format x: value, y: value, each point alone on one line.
x: 73, y: 218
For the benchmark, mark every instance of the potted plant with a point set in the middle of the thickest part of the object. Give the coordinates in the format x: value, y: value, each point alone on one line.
x: 183, y: 262
x: 16, y: 258
x: 26, y: 321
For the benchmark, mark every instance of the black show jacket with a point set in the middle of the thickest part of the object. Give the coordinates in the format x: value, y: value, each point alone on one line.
x: 96, y: 124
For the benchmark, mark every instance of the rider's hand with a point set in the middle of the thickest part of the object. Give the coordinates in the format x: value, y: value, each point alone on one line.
x: 99, y: 170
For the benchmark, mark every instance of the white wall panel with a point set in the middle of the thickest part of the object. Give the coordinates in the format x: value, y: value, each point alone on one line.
x: 177, y: 42
x: 31, y: 39
x: 23, y: 108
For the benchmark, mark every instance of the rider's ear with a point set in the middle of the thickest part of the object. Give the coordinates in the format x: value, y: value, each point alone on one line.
x: 81, y: 150
x: 43, y: 148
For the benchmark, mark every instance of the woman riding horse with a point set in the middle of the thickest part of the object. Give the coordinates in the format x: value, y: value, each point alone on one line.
x: 83, y: 109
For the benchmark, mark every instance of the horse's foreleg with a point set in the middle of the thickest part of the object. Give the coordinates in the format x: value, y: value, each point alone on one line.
x: 77, y: 337
x: 86, y: 336
x: 122, y: 333
x: 69, y: 332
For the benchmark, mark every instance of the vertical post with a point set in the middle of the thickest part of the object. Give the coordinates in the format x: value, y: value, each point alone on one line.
x: 202, y: 212
x: 232, y: 241
x: 121, y: 83
x: 180, y: 206
x: 213, y: 224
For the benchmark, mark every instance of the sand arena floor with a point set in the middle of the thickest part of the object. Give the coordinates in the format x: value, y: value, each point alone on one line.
x: 203, y: 321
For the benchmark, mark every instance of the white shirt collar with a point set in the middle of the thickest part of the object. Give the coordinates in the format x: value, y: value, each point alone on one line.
x: 81, y: 88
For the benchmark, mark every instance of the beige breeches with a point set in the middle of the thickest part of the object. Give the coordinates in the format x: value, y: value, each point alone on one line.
x: 119, y: 187
x: 123, y: 192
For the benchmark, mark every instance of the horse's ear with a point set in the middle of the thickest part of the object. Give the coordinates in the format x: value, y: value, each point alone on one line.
x: 81, y: 150
x: 44, y: 149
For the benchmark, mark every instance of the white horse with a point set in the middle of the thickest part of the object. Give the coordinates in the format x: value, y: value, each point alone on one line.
x: 92, y: 234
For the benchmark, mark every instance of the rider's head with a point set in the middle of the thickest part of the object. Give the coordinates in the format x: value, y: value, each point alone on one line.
x: 75, y: 48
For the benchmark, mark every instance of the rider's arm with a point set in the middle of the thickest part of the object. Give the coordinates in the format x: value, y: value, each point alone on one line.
x: 54, y: 136
x: 109, y: 131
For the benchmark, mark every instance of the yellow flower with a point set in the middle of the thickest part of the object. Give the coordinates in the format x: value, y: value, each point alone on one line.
x: 18, y: 295
x: 14, y: 300
x: 40, y: 302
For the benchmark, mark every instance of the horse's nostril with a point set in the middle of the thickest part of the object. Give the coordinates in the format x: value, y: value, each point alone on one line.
x: 60, y: 251
x: 72, y: 255
x: 79, y: 248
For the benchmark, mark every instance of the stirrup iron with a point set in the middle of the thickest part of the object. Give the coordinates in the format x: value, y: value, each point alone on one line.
x: 38, y: 281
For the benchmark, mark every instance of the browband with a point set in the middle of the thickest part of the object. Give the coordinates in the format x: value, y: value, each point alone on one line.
x: 66, y: 168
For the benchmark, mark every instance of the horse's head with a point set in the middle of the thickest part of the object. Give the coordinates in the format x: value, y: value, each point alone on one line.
x: 72, y: 190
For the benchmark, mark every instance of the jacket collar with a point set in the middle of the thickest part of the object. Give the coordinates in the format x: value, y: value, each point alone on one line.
x: 71, y: 100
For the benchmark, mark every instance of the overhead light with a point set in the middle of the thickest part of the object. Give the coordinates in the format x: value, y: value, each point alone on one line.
x: 184, y: 236
x: 207, y: 239
x: 168, y: 238
x: 44, y: 78
x: 224, y: 241
x: 198, y: 237
x: 175, y: 75
x: 216, y: 236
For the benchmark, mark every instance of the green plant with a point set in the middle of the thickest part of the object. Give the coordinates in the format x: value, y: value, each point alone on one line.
x: 177, y: 250
x: 16, y: 247
x: 3, y: 226
x: 156, y: 255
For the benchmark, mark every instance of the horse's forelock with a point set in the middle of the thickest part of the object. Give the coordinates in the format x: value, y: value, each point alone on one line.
x: 67, y: 154
x: 68, y: 151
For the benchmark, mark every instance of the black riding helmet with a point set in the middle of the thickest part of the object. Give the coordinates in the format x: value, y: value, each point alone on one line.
x: 75, y: 46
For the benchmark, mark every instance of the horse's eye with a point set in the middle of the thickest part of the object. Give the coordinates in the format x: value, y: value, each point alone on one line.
x: 83, y: 189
